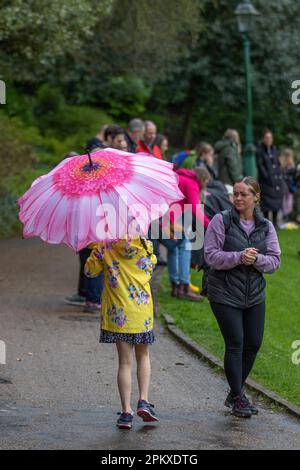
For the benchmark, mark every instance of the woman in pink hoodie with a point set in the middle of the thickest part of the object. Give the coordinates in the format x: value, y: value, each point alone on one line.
x: 190, y: 186
x: 179, y: 249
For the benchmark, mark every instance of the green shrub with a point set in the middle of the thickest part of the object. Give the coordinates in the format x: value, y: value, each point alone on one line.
x: 20, y: 105
x: 82, y: 121
x: 59, y: 120
x: 19, y: 183
x: 126, y: 96
x: 16, y: 151
x: 9, y: 223
x: 78, y: 124
x: 49, y: 103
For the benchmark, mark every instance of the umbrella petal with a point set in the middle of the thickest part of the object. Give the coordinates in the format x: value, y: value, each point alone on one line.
x: 95, y: 202
x: 72, y: 223
x: 159, y: 190
x: 98, y: 220
x: 44, y: 215
x: 33, y: 194
x: 108, y: 228
x: 135, y: 203
x: 29, y: 216
x: 57, y: 223
x: 84, y: 219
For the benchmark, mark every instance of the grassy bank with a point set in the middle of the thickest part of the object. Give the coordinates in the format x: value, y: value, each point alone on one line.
x: 274, y: 367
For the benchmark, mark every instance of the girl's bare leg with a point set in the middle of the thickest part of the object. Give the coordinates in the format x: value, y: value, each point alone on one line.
x: 124, y: 374
x: 143, y: 369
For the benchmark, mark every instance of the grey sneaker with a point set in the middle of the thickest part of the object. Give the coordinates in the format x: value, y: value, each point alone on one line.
x: 229, y: 402
x: 240, y: 408
x: 75, y: 300
x: 253, y: 408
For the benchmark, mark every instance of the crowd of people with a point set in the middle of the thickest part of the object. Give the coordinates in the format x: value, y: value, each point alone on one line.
x: 278, y: 173
x: 207, y: 174
x: 239, y: 218
x: 139, y: 137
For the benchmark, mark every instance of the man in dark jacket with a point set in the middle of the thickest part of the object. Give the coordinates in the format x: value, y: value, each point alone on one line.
x: 269, y: 176
x: 228, y: 158
x: 135, y: 132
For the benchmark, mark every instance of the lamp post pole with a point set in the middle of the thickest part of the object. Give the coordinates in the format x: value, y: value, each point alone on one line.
x: 249, y: 153
x: 245, y: 12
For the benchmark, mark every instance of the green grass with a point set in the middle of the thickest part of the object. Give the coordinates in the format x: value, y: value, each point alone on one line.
x: 274, y: 367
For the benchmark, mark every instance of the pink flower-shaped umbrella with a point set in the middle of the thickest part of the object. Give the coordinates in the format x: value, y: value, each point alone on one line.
x: 105, y: 196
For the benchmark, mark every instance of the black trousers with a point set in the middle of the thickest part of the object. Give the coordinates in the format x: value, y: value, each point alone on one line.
x: 242, y: 330
x: 83, y: 280
x: 275, y: 216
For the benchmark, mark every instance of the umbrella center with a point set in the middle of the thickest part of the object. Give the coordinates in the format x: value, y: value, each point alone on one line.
x: 78, y: 176
x: 88, y: 168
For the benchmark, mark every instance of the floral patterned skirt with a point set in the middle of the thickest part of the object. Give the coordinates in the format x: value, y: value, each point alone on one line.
x: 132, y: 338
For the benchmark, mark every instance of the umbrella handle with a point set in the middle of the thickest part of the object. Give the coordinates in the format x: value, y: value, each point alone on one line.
x: 90, y: 158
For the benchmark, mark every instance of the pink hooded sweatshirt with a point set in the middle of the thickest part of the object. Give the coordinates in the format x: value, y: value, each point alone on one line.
x: 190, y: 187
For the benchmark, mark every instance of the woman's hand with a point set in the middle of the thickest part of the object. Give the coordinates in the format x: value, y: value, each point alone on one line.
x: 249, y: 256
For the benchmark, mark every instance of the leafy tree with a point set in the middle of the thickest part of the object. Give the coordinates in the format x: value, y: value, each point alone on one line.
x: 126, y: 96
x: 137, y: 38
x: 34, y: 34
x: 209, y: 83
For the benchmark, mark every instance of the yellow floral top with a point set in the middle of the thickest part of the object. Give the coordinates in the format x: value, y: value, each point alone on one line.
x: 127, y: 266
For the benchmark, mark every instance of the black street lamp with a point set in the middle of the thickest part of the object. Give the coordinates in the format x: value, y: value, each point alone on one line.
x: 245, y: 13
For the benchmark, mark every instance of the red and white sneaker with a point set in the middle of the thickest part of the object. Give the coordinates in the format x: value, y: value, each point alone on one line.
x: 146, y: 411
x: 125, y: 420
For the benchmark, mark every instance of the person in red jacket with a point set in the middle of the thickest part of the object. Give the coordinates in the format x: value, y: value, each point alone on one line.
x: 179, y: 252
x: 147, y: 145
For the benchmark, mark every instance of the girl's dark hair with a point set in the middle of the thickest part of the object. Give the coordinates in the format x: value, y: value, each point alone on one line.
x: 159, y: 139
x: 113, y: 130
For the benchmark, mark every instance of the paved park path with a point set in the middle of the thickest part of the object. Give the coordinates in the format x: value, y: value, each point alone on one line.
x: 61, y: 391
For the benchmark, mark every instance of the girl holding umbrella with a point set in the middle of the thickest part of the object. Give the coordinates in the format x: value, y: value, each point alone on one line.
x: 240, y: 245
x: 95, y: 199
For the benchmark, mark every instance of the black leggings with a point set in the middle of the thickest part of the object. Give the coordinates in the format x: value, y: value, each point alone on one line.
x: 83, y: 280
x: 242, y: 330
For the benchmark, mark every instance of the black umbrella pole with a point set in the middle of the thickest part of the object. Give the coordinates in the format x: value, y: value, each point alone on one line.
x: 90, y: 159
